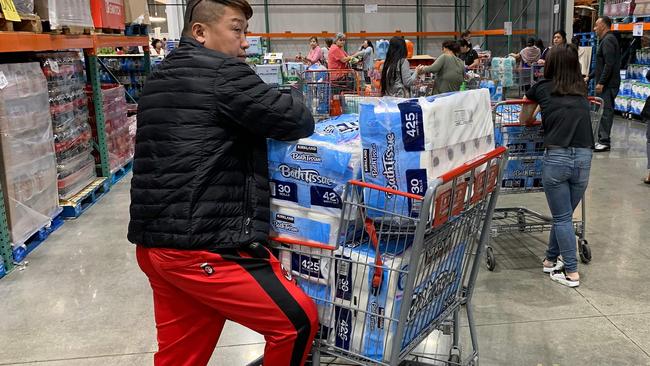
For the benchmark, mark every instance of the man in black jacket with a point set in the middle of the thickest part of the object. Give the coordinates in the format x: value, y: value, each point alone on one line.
x: 608, y: 78
x: 200, y: 195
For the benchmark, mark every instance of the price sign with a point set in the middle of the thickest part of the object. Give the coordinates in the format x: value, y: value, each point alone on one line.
x: 9, y: 10
x: 637, y: 30
x: 507, y: 28
x: 370, y: 8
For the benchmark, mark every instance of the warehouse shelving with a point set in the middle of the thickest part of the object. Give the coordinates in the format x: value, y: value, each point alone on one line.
x: 12, y: 42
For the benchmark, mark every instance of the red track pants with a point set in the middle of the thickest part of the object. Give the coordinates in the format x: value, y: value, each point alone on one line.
x: 195, y: 292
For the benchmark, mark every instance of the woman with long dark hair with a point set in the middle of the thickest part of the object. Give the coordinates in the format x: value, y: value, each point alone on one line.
x: 568, y: 139
x: 396, y: 75
x: 449, y: 69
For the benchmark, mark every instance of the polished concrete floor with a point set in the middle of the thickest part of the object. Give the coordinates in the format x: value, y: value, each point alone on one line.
x: 83, y: 301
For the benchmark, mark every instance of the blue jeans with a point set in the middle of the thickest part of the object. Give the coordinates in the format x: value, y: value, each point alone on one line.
x: 565, y: 178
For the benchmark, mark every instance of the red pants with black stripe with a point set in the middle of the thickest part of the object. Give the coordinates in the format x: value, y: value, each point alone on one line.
x: 195, y: 292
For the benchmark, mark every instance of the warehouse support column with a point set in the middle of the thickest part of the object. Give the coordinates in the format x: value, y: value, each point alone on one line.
x: 6, y: 253
x: 537, y: 19
x: 486, y: 21
x: 344, y: 19
x: 418, y: 25
x: 510, y: 20
x: 267, y: 25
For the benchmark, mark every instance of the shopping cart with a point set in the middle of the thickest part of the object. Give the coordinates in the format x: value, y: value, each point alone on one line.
x: 523, y: 174
x: 322, y: 90
x: 397, y: 274
x: 351, y: 102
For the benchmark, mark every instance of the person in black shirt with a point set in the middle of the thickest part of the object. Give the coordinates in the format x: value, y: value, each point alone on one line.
x: 468, y: 55
x: 568, y: 138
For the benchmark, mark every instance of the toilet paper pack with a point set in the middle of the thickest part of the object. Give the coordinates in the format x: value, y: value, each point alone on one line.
x: 520, y: 140
x: 312, y: 271
x: 370, y: 333
x: 304, y: 225
x: 407, y: 143
x: 523, y: 173
x: 312, y: 172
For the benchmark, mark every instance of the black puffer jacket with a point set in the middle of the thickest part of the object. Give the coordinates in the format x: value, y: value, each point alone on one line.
x: 200, y: 175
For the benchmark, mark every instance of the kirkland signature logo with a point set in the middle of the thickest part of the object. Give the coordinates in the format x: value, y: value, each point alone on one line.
x: 389, y: 164
x: 310, y: 176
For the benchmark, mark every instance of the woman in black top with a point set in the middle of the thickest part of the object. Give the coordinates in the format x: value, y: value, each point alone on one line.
x: 568, y: 138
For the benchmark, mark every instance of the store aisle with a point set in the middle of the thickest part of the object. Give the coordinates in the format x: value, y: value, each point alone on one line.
x: 83, y: 301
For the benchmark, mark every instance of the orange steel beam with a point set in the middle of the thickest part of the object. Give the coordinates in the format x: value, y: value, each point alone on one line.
x: 628, y: 27
x: 363, y: 34
x: 25, y: 42
x: 107, y: 40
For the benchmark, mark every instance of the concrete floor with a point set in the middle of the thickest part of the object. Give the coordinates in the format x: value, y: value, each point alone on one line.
x: 83, y: 301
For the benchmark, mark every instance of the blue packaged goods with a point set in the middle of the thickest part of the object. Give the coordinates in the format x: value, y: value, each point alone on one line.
x: 407, y: 143
x: 370, y: 332
x: 520, y: 140
x: 304, y: 225
x: 311, y: 173
x: 523, y: 173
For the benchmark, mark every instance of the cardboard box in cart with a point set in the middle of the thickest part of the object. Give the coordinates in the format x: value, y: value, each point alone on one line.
x: 108, y: 13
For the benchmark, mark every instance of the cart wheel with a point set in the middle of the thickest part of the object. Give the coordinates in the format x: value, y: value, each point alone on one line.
x: 490, y: 261
x: 521, y: 221
x: 585, y: 251
x: 454, y: 356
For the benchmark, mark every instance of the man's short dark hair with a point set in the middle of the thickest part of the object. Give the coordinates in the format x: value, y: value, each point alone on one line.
x: 463, y: 43
x: 206, y: 11
x: 607, y: 20
x: 465, y: 34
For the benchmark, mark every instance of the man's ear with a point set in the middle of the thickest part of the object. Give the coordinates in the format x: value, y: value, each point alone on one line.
x: 198, y: 32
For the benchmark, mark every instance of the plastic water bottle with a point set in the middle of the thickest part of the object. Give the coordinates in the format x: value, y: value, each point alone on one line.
x: 492, y: 87
x: 3, y: 271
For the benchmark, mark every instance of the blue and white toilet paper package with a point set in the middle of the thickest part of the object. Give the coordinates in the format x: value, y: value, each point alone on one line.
x: 370, y: 333
x: 312, y: 173
x: 407, y: 143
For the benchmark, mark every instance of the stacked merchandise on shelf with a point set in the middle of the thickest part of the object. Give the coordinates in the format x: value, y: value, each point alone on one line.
x: 28, y: 161
x: 642, y: 8
x: 24, y: 6
x: 65, y: 13
x: 72, y: 134
x: 129, y: 71
x: 635, y: 88
x: 618, y: 8
x: 136, y: 16
x: 118, y: 137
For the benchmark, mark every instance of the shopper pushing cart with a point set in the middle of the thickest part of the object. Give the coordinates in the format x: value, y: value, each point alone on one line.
x: 568, y: 139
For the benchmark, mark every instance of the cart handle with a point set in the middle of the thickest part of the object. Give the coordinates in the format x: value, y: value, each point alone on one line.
x: 595, y: 100
x: 515, y: 101
x: 472, y: 164
x: 304, y: 243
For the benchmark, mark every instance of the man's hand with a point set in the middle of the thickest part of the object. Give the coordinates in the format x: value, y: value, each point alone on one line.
x: 587, y: 79
x: 419, y: 70
x: 599, y: 88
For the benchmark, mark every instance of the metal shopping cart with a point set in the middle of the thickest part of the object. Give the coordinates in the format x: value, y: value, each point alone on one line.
x: 323, y: 89
x: 523, y: 174
x: 400, y: 270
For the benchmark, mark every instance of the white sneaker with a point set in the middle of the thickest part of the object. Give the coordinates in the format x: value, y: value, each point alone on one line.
x: 559, y: 265
x: 601, y: 147
x: 560, y: 276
